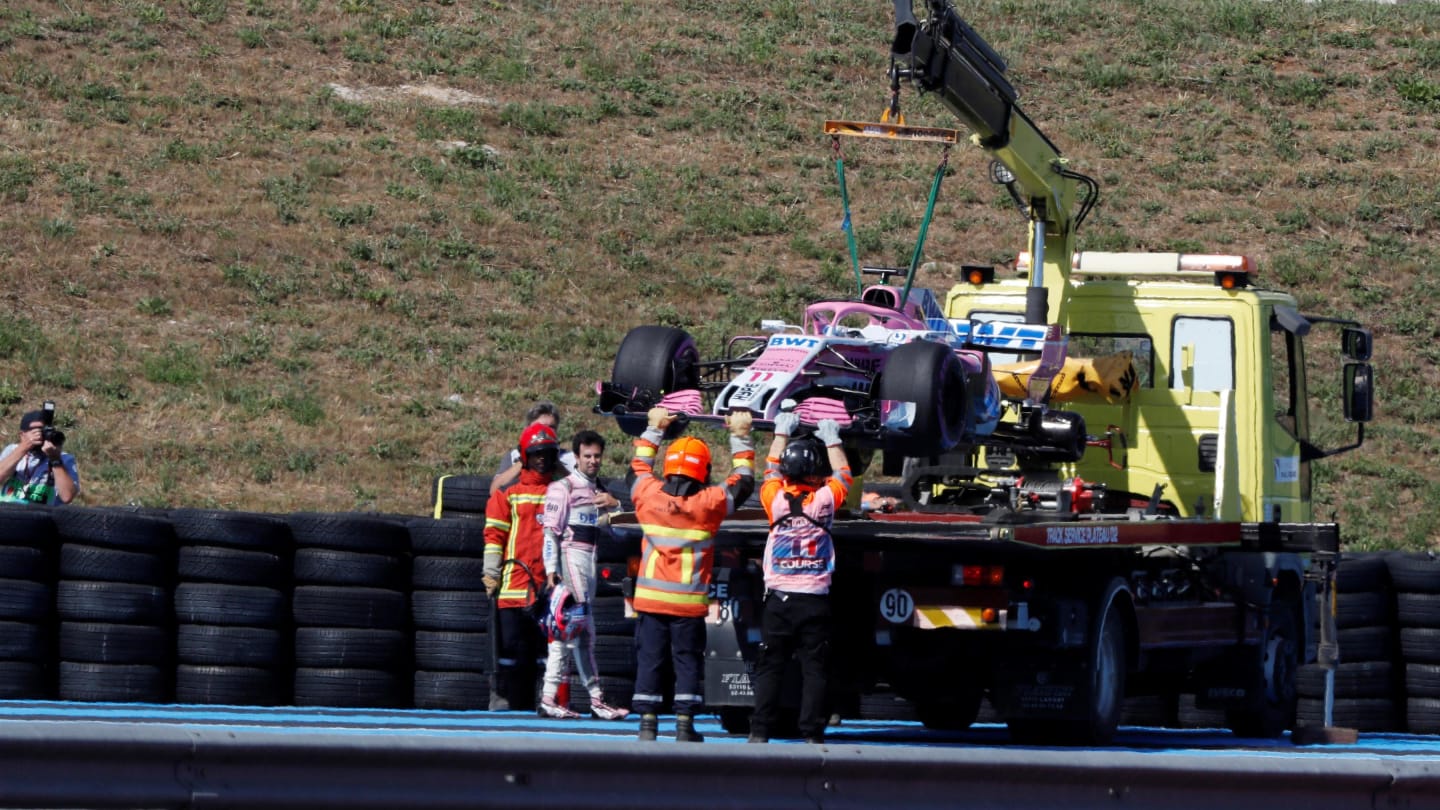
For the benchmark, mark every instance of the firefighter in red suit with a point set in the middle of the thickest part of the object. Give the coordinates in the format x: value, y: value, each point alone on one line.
x: 514, y: 574
x: 679, y: 515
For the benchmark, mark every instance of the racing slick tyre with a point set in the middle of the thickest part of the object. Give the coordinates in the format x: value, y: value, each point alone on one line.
x: 1279, y: 660
x: 653, y: 361
x: 929, y: 375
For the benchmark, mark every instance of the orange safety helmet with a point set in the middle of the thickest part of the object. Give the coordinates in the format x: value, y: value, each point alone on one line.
x: 536, y: 438
x: 688, y: 456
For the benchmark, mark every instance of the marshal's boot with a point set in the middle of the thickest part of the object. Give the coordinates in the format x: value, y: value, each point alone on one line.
x: 685, y: 729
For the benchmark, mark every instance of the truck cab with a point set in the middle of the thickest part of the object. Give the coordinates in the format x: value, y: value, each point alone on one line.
x: 1220, y: 417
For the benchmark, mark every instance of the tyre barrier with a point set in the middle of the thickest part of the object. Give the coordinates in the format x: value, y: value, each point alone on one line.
x: 358, y: 610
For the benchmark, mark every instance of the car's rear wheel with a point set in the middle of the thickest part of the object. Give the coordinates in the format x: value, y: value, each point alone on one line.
x: 653, y: 361
x: 929, y: 375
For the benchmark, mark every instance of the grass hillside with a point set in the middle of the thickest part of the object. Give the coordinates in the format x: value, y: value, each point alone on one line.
x: 308, y: 255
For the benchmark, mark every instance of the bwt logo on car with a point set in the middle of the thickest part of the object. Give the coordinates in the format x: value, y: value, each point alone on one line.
x: 793, y: 340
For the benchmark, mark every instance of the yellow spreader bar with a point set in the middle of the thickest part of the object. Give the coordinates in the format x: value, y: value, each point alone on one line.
x: 894, y: 132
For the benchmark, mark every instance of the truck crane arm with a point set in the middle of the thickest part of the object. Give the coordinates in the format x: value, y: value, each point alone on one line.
x: 944, y: 55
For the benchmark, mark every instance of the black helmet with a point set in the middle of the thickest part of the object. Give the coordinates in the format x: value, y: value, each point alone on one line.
x: 804, y: 458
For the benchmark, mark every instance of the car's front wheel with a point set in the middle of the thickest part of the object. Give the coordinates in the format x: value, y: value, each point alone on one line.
x: 929, y: 375
x: 652, y: 361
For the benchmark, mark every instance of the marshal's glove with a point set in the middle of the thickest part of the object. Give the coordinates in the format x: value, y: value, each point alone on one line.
x: 740, y: 423
x: 828, y: 431
x: 492, y: 585
x: 785, y: 423
x: 660, y: 418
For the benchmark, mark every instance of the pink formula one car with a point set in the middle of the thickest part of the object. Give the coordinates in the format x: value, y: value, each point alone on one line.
x: 895, y: 373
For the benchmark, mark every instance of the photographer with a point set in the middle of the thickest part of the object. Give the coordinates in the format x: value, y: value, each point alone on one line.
x: 34, y: 469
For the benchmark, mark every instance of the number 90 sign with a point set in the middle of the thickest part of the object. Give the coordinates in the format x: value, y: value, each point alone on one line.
x: 896, y: 605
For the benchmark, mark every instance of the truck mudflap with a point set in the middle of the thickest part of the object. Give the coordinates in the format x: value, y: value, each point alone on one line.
x: 732, y: 633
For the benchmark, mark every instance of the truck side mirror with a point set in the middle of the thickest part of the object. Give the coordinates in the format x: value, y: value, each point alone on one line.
x: 1359, y: 392
x: 1357, y: 344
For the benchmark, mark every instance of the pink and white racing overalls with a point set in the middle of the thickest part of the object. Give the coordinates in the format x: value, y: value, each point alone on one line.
x: 573, y: 525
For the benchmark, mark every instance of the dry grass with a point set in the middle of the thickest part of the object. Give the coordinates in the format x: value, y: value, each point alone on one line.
x: 248, y: 289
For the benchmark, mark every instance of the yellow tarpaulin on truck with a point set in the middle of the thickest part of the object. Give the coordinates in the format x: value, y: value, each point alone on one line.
x: 1112, y: 377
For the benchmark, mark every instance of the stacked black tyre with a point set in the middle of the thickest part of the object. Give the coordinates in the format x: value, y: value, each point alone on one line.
x: 350, y: 608
x: 1367, y: 678
x: 113, y: 600
x: 451, y: 614
x: 232, y: 608
x: 460, y: 496
x: 1416, y: 577
x: 27, y: 600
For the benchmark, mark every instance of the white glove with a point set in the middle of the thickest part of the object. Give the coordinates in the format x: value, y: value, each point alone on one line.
x: 785, y: 423
x: 828, y: 431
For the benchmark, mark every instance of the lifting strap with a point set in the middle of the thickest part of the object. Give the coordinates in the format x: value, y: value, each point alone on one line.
x: 925, y: 223
x: 847, y: 226
x: 845, y: 223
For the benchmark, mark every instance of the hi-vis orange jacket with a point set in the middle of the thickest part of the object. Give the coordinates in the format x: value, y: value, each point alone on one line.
x: 678, y: 553
x: 513, y: 532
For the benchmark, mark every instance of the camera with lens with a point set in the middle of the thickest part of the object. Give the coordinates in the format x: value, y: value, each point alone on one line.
x: 48, y: 432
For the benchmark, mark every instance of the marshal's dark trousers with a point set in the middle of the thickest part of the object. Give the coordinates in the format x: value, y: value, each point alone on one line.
x: 795, y: 624
x: 681, y: 639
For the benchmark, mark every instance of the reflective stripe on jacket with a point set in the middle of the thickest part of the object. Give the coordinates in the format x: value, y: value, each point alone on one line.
x: 677, y: 555
x: 513, y: 532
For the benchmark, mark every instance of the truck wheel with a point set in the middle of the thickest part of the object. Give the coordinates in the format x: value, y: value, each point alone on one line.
x: 929, y: 375
x: 653, y: 361
x: 1102, y: 690
x: 1279, y: 665
x: 953, y: 712
x: 1107, y: 680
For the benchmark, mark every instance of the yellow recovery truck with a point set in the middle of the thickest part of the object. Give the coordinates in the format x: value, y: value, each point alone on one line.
x: 1138, y: 522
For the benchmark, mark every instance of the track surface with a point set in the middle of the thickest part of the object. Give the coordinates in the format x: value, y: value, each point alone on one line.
x: 494, y: 726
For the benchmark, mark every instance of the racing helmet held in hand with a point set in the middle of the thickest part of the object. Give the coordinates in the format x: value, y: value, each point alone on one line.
x: 688, y: 456
x: 566, y: 619
x: 539, y: 439
x: 804, y: 458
